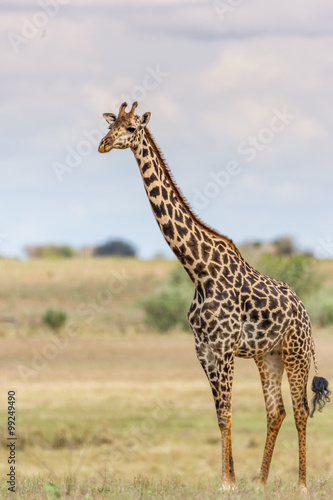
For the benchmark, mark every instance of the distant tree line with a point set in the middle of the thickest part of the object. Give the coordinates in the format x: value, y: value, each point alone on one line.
x: 112, y: 247
x: 280, y: 246
x: 49, y: 251
x: 119, y: 247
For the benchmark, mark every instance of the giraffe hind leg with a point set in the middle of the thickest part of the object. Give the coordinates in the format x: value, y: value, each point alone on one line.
x: 271, y: 370
x: 297, y: 365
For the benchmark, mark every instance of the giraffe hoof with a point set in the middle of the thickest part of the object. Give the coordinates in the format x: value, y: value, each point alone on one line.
x: 260, y: 486
x: 302, y: 489
x: 228, y: 487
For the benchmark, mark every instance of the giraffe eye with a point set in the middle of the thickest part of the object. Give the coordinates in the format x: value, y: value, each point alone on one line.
x: 131, y: 129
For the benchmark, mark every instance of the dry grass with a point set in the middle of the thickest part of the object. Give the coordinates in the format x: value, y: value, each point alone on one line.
x: 112, y: 409
x: 99, y: 295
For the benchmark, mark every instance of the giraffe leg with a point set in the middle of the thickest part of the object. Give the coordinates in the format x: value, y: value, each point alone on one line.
x: 271, y: 370
x: 223, y: 410
x: 297, y: 368
x: 222, y: 397
x: 219, y: 371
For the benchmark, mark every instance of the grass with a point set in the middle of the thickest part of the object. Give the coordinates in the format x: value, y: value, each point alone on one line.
x: 121, y: 413
x: 167, y: 489
x: 105, y: 411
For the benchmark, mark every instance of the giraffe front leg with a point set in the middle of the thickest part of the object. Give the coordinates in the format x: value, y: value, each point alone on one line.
x: 220, y: 372
x: 223, y: 410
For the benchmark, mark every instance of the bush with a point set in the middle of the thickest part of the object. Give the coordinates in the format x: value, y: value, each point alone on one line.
x: 55, y: 319
x: 179, y: 277
x: 168, y: 306
x: 320, y: 307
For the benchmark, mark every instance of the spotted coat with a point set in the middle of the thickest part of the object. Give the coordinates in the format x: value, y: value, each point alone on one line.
x: 236, y: 310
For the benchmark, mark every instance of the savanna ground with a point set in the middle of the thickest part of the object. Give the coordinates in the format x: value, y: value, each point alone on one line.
x: 109, y: 409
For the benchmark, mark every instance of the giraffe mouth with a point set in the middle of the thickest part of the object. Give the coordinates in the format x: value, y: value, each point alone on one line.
x: 104, y: 146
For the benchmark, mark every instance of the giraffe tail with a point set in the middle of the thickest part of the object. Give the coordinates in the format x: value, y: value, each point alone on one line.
x: 319, y: 386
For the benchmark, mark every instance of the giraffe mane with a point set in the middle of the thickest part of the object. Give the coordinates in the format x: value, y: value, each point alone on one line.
x: 180, y: 195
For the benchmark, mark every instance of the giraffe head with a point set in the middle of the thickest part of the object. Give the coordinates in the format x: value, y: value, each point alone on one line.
x: 125, y: 129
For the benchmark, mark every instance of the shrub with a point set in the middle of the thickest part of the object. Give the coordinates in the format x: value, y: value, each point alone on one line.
x: 179, y: 277
x: 167, y: 306
x: 320, y: 307
x: 55, y: 319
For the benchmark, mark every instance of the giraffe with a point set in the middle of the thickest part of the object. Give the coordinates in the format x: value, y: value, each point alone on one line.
x: 236, y: 310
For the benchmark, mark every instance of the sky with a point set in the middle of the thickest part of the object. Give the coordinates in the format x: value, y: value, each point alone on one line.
x: 240, y: 95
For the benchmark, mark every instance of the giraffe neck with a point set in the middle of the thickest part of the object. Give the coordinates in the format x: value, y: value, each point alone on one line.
x: 197, y: 246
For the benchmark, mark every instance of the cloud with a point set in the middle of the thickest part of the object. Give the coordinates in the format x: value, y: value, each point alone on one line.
x: 223, y: 79
x: 247, y: 81
x: 215, y: 19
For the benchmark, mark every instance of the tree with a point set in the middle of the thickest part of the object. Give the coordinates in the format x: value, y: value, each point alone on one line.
x: 115, y: 247
x: 284, y: 246
x: 49, y: 251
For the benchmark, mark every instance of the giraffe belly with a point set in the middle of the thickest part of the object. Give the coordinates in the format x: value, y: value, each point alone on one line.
x: 256, y: 342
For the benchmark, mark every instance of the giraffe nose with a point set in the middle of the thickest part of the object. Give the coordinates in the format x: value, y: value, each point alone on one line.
x: 104, y: 146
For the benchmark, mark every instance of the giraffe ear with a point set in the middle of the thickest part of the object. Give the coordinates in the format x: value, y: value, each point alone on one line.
x: 110, y: 117
x: 145, y: 119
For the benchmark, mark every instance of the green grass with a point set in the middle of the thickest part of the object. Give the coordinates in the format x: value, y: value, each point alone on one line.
x: 167, y: 489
